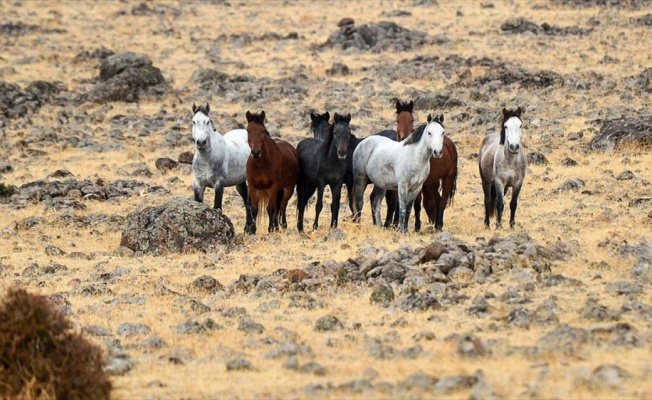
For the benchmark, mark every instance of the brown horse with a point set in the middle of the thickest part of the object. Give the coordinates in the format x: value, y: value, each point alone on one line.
x: 443, y: 174
x: 272, y: 171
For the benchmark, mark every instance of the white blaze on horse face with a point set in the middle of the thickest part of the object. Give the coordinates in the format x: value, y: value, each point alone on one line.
x: 513, y: 134
x: 201, y: 130
x: 436, y: 138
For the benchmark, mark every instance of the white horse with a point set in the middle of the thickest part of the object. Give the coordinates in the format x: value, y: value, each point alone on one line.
x: 392, y: 165
x: 219, y: 161
x: 503, y: 165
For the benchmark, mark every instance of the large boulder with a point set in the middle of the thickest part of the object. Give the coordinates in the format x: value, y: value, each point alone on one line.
x: 630, y: 131
x: 125, y: 77
x: 182, y: 225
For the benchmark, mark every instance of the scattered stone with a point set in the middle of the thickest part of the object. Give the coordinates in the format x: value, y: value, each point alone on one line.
x: 206, y: 284
x: 249, y: 326
x: 433, y: 251
x: 623, y: 287
x: 186, y: 157
x: 572, y: 184
x: 328, y: 323
x: 629, y: 131
x: 568, y: 162
x: 239, y: 364
x: 536, y: 158
x: 608, y: 375
x: 564, y: 339
x: 470, y: 346
x: 419, y: 302
x: 313, y: 368
x: 338, y: 69
x: 165, y: 164
x: 383, y: 294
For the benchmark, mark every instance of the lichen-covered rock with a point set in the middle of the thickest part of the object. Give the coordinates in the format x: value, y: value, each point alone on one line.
x: 180, y: 226
x: 630, y: 131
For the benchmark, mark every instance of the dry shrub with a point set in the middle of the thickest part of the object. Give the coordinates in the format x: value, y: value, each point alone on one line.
x: 40, y: 358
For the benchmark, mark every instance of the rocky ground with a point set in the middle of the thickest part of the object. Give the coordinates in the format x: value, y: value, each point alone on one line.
x: 97, y: 210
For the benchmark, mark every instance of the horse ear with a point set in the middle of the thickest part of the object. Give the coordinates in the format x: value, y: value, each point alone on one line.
x: 410, y: 106
x: 248, y: 115
x: 262, y: 116
x: 519, y: 111
x: 505, y: 112
x: 194, y: 108
x: 398, y: 105
x: 312, y: 116
x: 208, y: 108
x: 429, y: 118
x: 327, y: 115
x: 348, y: 117
x: 441, y: 119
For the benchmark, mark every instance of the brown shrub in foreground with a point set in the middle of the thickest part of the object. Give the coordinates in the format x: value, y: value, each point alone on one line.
x: 41, y: 358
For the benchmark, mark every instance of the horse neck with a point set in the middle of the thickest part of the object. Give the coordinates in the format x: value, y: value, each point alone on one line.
x: 421, y: 150
x: 270, y: 151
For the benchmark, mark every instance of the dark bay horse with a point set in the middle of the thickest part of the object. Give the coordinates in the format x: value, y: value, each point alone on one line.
x: 323, y: 162
x: 272, y: 171
x: 502, y: 165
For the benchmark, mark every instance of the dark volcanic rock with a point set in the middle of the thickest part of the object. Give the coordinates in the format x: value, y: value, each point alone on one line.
x: 124, y: 77
x: 536, y: 158
x: 632, y: 131
x: 16, y: 103
x: 181, y: 225
x: 328, y: 323
x: 376, y: 37
x: 383, y: 294
x: 519, y: 25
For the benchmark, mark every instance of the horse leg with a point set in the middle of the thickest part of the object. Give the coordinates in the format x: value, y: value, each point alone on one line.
x: 512, y: 205
x: 303, y: 195
x: 500, y: 203
x: 253, y: 202
x: 358, y: 194
x: 272, y: 195
x: 430, y: 194
x: 489, y: 191
x: 336, y: 192
x: 219, y: 193
x: 403, y: 207
x: 243, y: 192
x: 319, y: 206
x: 390, y: 199
x: 446, y: 192
x: 198, y: 190
x: 285, y: 199
x: 376, y: 198
x: 417, y: 213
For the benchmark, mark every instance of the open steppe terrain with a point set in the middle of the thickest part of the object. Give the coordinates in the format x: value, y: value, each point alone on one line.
x: 570, y: 319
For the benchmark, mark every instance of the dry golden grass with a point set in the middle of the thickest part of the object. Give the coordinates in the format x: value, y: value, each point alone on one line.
x: 546, y: 217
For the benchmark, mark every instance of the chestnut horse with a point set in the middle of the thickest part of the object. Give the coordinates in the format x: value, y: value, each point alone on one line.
x: 443, y: 175
x: 272, y: 171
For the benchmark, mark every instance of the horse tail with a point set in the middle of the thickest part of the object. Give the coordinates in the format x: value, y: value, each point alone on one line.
x: 453, y: 189
x: 263, y: 198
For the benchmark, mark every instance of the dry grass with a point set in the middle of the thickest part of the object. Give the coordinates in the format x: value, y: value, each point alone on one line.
x: 587, y: 219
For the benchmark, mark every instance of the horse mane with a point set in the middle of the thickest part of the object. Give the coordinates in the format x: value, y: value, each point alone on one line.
x: 416, y: 136
x: 506, y: 115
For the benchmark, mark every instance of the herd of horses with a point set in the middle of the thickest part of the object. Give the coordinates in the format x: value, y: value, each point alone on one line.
x: 409, y: 168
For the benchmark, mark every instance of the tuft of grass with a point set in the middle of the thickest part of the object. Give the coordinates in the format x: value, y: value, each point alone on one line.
x: 41, y: 358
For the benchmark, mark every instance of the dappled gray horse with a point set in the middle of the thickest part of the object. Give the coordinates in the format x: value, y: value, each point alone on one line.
x: 219, y: 161
x: 392, y: 165
x: 502, y: 165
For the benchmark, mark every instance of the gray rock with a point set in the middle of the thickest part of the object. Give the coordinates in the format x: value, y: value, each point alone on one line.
x: 564, y: 339
x: 536, y: 158
x: 454, y: 383
x: 206, y: 284
x: 571, y: 184
x: 192, y: 327
x: 519, y: 25
x: 629, y: 131
x: 117, y: 361
x: 130, y: 329
x: 624, y: 287
x: 248, y: 325
x: 608, y: 376
x: 419, y: 381
x: 96, y: 330
x: 382, y: 294
x: 181, y: 225
x: 328, y: 323
x: 313, y: 367
x: 419, y: 302
x: 239, y: 364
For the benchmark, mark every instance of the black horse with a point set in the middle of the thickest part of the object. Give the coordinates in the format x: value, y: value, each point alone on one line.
x: 323, y: 161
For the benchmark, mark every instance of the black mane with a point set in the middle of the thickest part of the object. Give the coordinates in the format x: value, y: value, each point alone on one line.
x: 402, y: 106
x: 258, y: 118
x: 202, y: 109
x: 416, y: 136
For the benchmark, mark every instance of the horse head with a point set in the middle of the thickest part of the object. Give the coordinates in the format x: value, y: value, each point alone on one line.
x: 404, y: 119
x: 202, y: 126
x: 510, y: 133
x: 319, y: 124
x: 341, y: 129
x: 256, y: 133
x: 435, y: 130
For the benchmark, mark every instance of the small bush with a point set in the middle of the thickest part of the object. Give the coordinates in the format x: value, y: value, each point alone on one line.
x: 40, y: 358
x: 7, y: 190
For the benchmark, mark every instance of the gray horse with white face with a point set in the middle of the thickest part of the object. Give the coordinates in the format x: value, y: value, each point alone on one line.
x: 219, y: 161
x: 503, y: 165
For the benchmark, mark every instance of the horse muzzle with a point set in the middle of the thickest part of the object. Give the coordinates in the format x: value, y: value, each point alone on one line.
x: 341, y: 154
x: 437, y: 154
x: 513, y: 148
x: 256, y: 154
x: 201, y: 144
